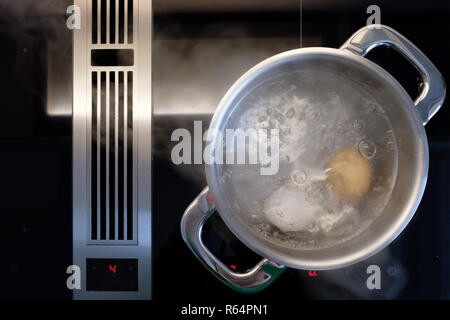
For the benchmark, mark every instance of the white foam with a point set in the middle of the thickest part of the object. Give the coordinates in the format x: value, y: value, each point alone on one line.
x: 288, y: 209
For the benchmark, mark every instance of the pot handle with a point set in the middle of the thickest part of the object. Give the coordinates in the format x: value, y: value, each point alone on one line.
x: 253, y: 280
x: 432, y: 93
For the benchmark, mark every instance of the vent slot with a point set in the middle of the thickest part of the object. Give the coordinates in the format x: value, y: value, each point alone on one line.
x: 112, y: 57
x: 112, y: 22
x: 112, y: 209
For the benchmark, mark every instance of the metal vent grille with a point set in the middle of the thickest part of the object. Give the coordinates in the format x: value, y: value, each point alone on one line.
x: 112, y: 21
x: 111, y: 156
x: 111, y: 152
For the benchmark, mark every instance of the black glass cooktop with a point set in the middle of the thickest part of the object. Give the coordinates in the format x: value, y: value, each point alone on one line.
x: 414, y: 266
x: 196, y: 57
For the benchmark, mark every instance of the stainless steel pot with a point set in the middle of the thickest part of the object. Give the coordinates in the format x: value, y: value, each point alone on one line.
x: 407, y: 118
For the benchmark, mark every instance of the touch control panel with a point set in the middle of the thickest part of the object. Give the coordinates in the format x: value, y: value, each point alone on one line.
x: 112, y: 274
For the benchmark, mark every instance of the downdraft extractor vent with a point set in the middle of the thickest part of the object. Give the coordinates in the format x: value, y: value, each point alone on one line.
x: 112, y: 117
x: 112, y: 156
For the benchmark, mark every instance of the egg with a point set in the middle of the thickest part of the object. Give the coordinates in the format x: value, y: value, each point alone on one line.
x: 349, y: 175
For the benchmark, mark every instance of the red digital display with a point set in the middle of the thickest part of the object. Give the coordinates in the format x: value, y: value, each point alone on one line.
x: 112, y: 274
x: 312, y: 273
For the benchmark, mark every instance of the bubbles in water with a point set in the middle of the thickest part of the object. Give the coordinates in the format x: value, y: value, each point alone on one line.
x: 367, y: 148
x: 299, y: 177
x: 288, y: 210
x: 371, y: 107
x: 390, y: 144
x: 290, y: 113
x: 358, y: 124
x: 315, y: 192
x: 273, y: 124
x: 278, y: 116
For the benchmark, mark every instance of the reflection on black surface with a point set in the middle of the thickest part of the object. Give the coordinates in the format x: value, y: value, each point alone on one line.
x: 226, y: 247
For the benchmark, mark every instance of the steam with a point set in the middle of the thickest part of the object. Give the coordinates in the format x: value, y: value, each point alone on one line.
x: 191, y: 75
x: 41, y: 18
x: 26, y: 28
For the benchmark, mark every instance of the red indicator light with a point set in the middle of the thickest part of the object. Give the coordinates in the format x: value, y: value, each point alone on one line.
x: 210, y: 198
x: 312, y: 273
x: 233, y: 267
x: 112, y: 268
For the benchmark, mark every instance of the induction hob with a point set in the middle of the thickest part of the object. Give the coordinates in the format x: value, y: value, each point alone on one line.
x: 198, y: 51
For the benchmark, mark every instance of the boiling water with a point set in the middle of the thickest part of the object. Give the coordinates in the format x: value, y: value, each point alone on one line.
x: 318, y: 114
